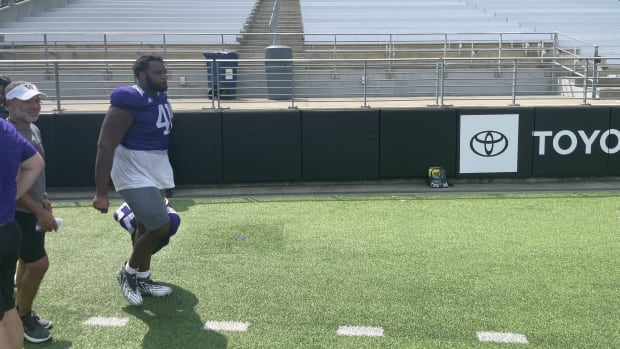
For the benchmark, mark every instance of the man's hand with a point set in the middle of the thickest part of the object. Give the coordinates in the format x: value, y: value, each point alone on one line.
x: 101, y: 203
x: 46, y: 221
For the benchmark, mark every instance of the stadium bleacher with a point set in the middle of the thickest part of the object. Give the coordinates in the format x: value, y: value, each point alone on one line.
x: 130, y: 17
x: 591, y: 21
x: 362, y: 29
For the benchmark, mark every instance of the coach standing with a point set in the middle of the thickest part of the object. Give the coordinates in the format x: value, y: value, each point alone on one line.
x: 20, y: 164
x: 34, y: 212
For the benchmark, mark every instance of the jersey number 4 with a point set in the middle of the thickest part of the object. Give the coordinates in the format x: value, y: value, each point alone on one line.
x: 164, y: 118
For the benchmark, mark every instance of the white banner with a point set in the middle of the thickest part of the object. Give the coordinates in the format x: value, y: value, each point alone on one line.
x: 489, y: 143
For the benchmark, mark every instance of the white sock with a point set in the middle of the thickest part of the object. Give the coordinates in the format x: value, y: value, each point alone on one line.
x: 144, y: 274
x: 129, y: 269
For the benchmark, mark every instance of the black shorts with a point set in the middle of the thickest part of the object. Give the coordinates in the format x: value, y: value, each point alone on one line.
x: 10, y: 239
x: 33, y: 241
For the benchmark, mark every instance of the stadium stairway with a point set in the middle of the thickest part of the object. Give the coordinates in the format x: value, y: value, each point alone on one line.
x: 253, y: 40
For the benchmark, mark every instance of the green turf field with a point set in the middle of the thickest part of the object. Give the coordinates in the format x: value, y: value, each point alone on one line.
x: 426, y: 271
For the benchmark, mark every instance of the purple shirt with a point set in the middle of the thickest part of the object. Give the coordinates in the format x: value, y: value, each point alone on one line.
x: 152, y: 118
x: 14, y: 150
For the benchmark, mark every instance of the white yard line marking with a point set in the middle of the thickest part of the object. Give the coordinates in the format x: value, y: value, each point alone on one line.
x: 106, y: 321
x: 501, y: 337
x: 227, y: 326
x: 361, y: 331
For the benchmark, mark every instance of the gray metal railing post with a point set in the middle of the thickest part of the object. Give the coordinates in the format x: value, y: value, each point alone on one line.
x: 514, y: 83
x: 442, y: 76
x: 585, y: 83
x: 335, y: 48
x: 595, y: 67
x: 499, y: 56
x: 163, y: 37
x: 292, y: 89
x: 556, y: 48
x: 48, y: 73
x: 439, y: 89
x: 45, y: 48
x: 437, y: 82
x: 392, y: 54
x: 57, y: 87
x: 107, y: 73
x: 105, y: 46
x: 213, y: 86
x: 334, y: 73
x: 365, y: 84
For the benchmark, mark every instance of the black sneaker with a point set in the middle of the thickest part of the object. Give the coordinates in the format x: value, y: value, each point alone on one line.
x: 47, y: 324
x: 34, y: 332
x: 129, y: 286
x: 148, y: 287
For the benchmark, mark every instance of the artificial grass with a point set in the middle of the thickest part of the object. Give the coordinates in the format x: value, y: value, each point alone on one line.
x: 431, y: 270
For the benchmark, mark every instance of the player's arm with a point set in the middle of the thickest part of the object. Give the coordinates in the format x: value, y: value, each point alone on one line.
x: 115, y: 125
x: 45, y: 219
x: 29, y: 170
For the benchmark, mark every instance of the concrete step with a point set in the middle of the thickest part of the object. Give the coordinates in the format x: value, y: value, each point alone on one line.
x: 609, y: 93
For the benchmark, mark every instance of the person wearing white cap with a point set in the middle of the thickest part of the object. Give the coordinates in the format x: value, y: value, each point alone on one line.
x: 33, y: 213
x: 20, y: 164
x: 22, y: 90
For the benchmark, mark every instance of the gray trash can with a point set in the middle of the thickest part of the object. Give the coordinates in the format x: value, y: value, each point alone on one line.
x: 279, y: 74
x: 221, y: 76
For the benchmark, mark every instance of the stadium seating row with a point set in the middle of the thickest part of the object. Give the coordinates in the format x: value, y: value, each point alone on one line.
x: 139, y: 16
x: 590, y: 21
x: 4, y: 3
x: 144, y: 21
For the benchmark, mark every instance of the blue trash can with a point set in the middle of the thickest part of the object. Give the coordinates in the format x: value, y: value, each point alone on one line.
x: 221, y: 76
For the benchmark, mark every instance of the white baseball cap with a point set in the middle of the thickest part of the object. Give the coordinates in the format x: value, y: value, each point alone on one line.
x: 24, y: 91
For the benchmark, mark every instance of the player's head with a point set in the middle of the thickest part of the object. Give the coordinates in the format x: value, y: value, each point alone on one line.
x: 151, y: 73
x: 23, y: 99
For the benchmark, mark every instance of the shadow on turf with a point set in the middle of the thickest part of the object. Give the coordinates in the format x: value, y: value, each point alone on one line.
x: 52, y: 344
x: 174, y: 323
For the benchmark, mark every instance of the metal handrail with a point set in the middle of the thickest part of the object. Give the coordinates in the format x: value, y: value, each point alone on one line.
x: 434, y: 80
x: 273, y: 22
x: 32, y: 41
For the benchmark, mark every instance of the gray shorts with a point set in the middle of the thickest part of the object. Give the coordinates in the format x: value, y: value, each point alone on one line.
x: 148, y: 205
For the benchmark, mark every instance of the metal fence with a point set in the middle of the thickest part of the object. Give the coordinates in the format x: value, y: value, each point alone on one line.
x: 328, y: 70
x: 115, y: 45
x: 221, y: 83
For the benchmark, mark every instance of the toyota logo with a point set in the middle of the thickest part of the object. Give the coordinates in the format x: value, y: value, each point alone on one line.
x: 488, y: 143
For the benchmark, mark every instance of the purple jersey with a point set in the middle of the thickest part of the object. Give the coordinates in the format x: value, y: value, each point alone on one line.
x: 15, y: 150
x: 152, y: 118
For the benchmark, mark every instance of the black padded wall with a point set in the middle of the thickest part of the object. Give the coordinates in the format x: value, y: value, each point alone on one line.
x: 75, y: 149
x: 414, y: 140
x: 261, y: 146
x: 564, y: 129
x: 340, y: 144
x: 196, y: 148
